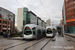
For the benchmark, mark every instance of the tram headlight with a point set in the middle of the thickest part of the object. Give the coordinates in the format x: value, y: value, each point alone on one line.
x: 31, y: 35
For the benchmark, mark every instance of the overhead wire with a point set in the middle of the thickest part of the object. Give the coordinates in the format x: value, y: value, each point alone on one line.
x: 41, y: 4
x: 20, y: 3
x: 44, y: 8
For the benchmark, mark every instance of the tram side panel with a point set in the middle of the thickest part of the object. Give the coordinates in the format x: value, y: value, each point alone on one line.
x: 40, y: 33
x: 43, y: 32
x: 54, y: 32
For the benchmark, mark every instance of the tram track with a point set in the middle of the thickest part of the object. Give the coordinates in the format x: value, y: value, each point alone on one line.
x: 70, y: 38
x: 20, y: 44
x: 17, y: 45
x: 34, y: 44
x: 3, y: 40
x: 37, y: 43
x: 6, y: 40
x: 46, y: 44
x: 10, y: 43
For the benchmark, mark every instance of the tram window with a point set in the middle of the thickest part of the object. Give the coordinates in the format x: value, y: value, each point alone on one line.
x: 49, y: 31
x: 53, y: 30
x: 27, y: 32
x: 34, y: 31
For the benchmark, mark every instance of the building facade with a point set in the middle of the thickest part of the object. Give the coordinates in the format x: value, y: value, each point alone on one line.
x: 28, y: 17
x: 61, y: 24
x: 48, y: 22
x: 68, y: 15
x: 4, y: 21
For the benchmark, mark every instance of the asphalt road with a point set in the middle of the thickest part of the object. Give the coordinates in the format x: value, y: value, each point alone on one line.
x: 56, y: 43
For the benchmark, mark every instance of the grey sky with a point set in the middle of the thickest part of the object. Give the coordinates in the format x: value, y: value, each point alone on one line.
x: 53, y: 8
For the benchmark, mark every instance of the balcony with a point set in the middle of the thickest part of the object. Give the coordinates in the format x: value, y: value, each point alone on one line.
x: 5, y: 24
x: 4, y: 28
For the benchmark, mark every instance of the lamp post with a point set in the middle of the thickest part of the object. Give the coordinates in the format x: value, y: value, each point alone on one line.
x: 52, y: 23
x: 9, y: 16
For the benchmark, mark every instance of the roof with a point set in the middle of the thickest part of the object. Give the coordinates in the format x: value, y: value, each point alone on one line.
x: 6, y: 10
x: 32, y: 13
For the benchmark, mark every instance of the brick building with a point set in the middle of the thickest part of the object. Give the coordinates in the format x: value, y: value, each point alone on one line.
x: 68, y: 15
x: 4, y: 21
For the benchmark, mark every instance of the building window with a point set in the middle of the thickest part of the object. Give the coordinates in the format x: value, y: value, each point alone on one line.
x: 66, y: 0
x: 0, y: 21
x: 4, y: 26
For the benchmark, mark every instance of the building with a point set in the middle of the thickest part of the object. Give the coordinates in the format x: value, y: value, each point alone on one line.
x: 43, y: 24
x: 31, y: 18
x: 68, y: 15
x: 4, y: 21
x: 27, y: 17
x: 21, y: 18
x: 61, y: 23
x: 48, y: 22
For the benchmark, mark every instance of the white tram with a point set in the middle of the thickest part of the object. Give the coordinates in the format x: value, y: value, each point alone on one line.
x: 32, y: 31
x: 49, y: 31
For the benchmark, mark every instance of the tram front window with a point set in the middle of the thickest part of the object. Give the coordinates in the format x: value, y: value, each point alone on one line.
x: 49, y: 31
x: 27, y: 31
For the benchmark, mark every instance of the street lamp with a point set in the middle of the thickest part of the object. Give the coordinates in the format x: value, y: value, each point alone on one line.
x: 9, y: 16
x: 52, y: 23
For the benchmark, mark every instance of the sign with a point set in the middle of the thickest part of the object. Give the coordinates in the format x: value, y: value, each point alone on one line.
x: 49, y: 29
x: 27, y: 28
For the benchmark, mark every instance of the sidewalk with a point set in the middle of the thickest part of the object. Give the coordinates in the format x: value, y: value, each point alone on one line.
x: 1, y: 36
x: 70, y: 34
x: 16, y: 38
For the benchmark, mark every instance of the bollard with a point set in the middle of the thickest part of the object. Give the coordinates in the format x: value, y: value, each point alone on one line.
x: 36, y: 38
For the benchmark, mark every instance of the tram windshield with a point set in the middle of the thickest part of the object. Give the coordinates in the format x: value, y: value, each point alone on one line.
x: 34, y: 31
x: 27, y: 31
x: 49, y: 31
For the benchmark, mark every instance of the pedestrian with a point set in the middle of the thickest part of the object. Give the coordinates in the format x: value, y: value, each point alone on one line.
x: 8, y: 35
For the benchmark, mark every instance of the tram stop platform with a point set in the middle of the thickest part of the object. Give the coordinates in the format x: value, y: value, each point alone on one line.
x: 70, y: 34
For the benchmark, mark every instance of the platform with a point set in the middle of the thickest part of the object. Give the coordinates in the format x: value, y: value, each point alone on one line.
x: 70, y: 34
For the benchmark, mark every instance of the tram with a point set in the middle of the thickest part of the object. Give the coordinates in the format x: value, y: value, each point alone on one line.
x: 32, y: 31
x: 49, y: 31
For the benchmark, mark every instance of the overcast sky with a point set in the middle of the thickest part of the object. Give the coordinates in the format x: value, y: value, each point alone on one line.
x: 53, y: 8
